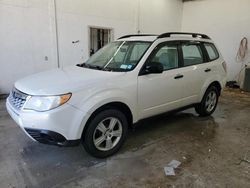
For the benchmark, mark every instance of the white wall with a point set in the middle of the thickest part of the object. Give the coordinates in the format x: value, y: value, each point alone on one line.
x: 28, y: 34
x: 27, y: 29
x: 226, y: 21
x: 75, y: 18
x: 160, y: 16
x: 123, y: 16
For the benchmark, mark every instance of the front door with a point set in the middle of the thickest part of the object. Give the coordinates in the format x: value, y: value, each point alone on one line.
x: 158, y: 93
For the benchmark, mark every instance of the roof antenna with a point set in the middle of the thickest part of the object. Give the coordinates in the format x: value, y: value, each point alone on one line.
x: 138, y: 16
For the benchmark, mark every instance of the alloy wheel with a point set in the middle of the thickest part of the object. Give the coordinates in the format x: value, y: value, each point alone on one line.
x: 211, y: 101
x: 107, y: 134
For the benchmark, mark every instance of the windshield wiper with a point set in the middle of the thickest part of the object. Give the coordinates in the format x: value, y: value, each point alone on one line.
x: 90, y: 66
x: 114, y: 69
x: 97, y: 67
x: 81, y: 65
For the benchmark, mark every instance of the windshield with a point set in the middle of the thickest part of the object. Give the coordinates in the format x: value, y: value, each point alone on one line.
x: 118, y: 56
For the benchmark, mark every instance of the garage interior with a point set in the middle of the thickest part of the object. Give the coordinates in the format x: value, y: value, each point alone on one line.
x: 39, y: 35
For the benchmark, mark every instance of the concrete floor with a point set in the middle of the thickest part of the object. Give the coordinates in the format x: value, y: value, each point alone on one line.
x: 211, y: 150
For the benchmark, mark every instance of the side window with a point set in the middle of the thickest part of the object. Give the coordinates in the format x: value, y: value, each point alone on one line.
x: 211, y: 51
x: 192, y: 54
x: 167, y: 55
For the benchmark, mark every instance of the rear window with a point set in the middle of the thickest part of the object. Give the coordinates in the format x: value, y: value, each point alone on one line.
x: 211, y: 51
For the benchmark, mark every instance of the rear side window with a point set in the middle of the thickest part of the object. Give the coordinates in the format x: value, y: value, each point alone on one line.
x: 192, y: 54
x: 211, y: 51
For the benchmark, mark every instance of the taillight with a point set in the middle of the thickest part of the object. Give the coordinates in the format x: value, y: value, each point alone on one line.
x: 224, y: 65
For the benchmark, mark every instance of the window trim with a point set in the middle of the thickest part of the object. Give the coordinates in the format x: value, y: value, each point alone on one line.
x: 155, y: 50
x: 179, y: 44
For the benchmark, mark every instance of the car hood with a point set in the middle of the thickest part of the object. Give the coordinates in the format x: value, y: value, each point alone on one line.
x: 60, y: 81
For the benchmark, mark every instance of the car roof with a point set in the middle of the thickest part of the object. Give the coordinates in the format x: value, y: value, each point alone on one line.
x: 170, y: 36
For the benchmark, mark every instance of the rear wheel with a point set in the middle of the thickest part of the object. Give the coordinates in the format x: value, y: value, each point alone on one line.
x: 105, y: 133
x: 209, y: 102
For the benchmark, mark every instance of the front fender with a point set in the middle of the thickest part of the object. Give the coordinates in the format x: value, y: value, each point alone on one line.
x: 100, y: 99
x: 91, y: 103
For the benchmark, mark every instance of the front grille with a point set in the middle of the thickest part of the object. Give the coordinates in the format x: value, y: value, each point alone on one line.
x: 17, y: 99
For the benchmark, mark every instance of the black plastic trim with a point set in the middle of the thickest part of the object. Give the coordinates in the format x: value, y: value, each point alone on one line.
x: 194, y: 35
x: 178, y: 76
x: 205, y: 53
x: 180, y: 55
x: 166, y: 35
x: 50, y: 137
x: 163, y: 114
x: 136, y: 35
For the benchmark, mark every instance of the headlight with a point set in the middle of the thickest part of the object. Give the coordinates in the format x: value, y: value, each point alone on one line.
x: 45, y: 103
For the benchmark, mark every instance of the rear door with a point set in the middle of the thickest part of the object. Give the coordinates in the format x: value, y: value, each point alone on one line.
x: 213, y: 60
x: 194, y: 70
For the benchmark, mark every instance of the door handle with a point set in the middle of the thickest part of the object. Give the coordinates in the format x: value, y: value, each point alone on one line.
x: 207, y: 70
x: 178, y: 76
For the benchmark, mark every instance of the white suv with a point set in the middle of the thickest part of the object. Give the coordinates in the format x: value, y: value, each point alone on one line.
x: 133, y: 78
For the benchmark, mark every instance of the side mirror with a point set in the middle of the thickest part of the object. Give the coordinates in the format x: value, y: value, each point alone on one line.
x: 153, y: 68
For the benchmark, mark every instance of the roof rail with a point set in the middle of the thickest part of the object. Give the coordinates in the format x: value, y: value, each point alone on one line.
x: 136, y: 35
x: 194, y: 35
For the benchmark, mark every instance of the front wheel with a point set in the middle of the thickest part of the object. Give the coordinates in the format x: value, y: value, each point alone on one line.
x: 209, y: 102
x: 105, y: 133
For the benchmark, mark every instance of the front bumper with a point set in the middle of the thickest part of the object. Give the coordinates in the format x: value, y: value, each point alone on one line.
x: 61, y: 126
x: 50, y: 137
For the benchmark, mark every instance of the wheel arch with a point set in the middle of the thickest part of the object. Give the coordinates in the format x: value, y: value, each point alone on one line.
x: 114, y: 105
x: 202, y: 108
x: 217, y: 85
x: 208, y: 84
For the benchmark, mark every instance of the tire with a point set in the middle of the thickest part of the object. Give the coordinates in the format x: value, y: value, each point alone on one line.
x: 209, y: 102
x: 105, y: 133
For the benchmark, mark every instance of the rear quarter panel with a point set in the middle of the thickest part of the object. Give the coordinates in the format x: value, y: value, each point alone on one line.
x: 218, y: 74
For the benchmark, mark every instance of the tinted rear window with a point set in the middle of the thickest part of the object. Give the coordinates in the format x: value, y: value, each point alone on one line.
x: 211, y: 51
